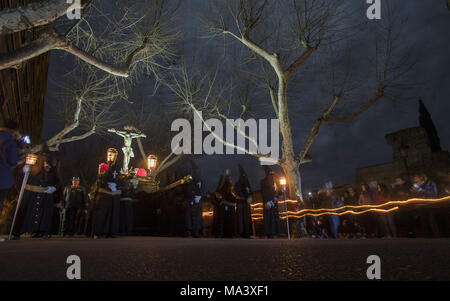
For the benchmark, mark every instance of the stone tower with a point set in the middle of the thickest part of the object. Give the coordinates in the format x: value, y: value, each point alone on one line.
x: 416, y: 150
x: 427, y: 123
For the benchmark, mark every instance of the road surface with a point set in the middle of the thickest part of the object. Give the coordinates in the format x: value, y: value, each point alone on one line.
x: 150, y: 258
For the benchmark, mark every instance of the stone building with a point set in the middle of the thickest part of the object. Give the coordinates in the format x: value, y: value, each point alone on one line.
x: 417, y: 150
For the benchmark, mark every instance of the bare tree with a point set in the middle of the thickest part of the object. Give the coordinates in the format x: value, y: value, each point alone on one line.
x: 280, y: 39
x: 86, y: 103
x: 114, y: 44
x: 133, y: 38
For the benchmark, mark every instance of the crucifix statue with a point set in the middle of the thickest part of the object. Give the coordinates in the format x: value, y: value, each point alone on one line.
x: 128, y: 137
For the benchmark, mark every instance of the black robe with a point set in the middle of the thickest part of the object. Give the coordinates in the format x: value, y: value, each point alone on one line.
x: 107, y: 205
x: 217, y: 226
x: 228, y: 211
x: 193, y: 216
x: 75, y: 210
x: 244, y: 211
x: 126, y: 210
x: 38, y: 207
x: 271, y: 215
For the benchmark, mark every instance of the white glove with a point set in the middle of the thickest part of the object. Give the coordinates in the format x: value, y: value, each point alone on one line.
x: 112, y: 186
x: 135, y: 183
x: 197, y: 198
x: 50, y: 190
x: 250, y: 199
x: 26, y: 168
x: 226, y: 208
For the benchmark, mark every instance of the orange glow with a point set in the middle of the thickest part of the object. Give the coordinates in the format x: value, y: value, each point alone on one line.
x: 325, y: 211
x: 151, y: 162
x: 31, y: 159
x: 283, y: 182
x: 111, y: 155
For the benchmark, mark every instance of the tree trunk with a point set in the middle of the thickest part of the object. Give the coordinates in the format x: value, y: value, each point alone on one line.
x: 289, y: 164
x: 294, y: 180
x: 22, y: 90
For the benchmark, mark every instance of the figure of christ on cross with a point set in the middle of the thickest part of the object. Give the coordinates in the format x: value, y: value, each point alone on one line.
x: 128, y: 137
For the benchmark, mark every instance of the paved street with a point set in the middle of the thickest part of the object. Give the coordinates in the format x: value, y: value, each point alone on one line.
x: 144, y: 258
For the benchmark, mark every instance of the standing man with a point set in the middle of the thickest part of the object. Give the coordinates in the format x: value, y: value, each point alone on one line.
x: 9, y: 158
x: 75, y: 207
x: 107, y: 207
x: 194, y: 207
x: 270, y: 193
x: 425, y: 188
x: 38, y: 199
x: 334, y: 202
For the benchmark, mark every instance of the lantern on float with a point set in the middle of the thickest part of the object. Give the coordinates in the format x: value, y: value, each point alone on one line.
x: 111, y: 155
x: 283, y: 182
x: 31, y: 159
x: 152, y: 160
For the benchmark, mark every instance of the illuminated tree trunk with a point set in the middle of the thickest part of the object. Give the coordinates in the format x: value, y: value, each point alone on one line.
x: 23, y: 89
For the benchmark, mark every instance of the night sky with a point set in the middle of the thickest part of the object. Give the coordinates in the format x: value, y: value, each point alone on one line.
x: 340, y: 148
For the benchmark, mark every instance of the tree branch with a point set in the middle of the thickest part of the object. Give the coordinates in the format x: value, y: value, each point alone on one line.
x: 46, y: 42
x: 362, y: 109
x: 32, y: 15
x: 299, y: 61
x: 303, y: 157
x: 54, y: 142
x: 51, y: 40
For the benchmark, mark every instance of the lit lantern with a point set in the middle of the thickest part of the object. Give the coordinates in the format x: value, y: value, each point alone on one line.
x: 283, y: 182
x: 31, y: 159
x: 151, y: 162
x: 111, y: 155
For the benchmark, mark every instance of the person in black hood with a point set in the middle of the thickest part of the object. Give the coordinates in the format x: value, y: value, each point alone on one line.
x: 39, y: 197
x: 244, y: 213
x: 194, y: 192
x: 270, y: 194
x: 107, y: 200
x: 216, y: 200
x: 229, y: 199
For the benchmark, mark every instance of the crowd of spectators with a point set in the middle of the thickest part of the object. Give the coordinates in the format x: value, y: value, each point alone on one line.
x: 408, y: 221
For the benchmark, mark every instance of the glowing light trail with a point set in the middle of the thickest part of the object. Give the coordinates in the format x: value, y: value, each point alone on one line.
x: 325, y: 211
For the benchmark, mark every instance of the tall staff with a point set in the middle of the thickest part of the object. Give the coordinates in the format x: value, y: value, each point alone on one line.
x: 30, y: 161
x: 283, y: 183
